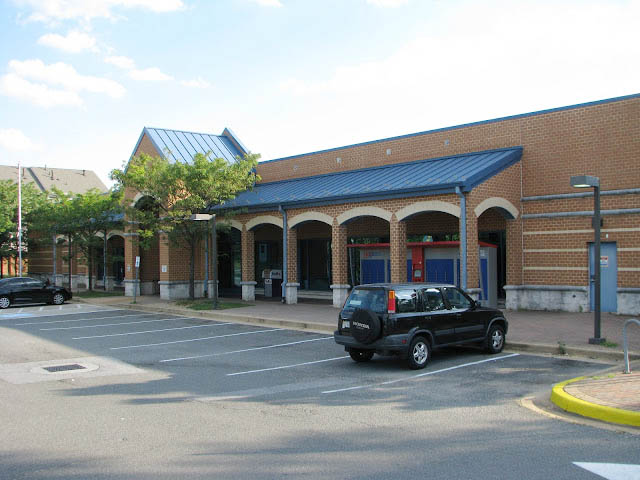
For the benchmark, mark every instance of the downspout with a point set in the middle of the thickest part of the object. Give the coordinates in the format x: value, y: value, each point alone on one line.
x: 284, y: 253
x: 463, y: 238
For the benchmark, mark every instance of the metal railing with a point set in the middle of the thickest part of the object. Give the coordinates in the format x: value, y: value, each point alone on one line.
x: 626, y: 343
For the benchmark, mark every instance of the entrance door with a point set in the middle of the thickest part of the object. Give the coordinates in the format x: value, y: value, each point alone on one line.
x: 608, y: 277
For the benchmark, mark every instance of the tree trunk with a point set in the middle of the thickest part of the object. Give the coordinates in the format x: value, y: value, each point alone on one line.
x: 90, y: 268
x: 104, y: 261
x: 1, y: 267
x: 192, y: 271
x: 70, y: 284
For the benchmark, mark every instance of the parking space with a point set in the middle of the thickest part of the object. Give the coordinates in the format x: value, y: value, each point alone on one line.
x: 221, y: 360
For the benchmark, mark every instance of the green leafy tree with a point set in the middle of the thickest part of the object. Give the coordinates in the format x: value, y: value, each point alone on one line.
x: 180, y: 190
x: 79, y: 217
x: 93, y: 212
x: 32, y: 200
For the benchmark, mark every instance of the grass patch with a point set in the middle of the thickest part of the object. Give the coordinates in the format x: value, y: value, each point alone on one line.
x: 207, y: 304
x: 609, y: 344
x: 97, y: 294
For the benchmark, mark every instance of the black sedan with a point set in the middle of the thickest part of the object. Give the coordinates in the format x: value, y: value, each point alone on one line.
x: 30, y: 290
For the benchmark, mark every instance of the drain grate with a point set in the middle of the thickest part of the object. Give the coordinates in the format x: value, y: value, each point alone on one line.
x: 64, y: 368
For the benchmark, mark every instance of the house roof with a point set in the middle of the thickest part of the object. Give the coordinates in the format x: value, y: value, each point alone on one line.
x: 178, y: 145
x: 425, y: 177
x: 65, y: 179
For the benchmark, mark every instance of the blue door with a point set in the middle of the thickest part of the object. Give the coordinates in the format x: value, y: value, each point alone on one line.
x: 372, y: 271
x: 439, y: 270
x: 608, y: 277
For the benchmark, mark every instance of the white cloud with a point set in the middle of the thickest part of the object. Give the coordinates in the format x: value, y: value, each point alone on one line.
x: 480, y: 61
x: 56, y: 10
x: 66, y: 76
x: 57, y: 84
x: 41, y: 95
x: 125, y: 63
x: 74, y: 42
x: 151, y: 74
x: 268, y: 3
x: 14, y: 140
x: 387, y: 3
x: 196, y: 83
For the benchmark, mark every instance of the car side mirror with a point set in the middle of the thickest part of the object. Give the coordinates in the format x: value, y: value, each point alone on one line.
x: 474, y: 304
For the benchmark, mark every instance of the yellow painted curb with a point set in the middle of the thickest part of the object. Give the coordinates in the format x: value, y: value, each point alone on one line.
x: 586, y: 409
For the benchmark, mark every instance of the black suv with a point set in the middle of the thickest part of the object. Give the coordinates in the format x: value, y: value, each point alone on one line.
x: 414, y: 318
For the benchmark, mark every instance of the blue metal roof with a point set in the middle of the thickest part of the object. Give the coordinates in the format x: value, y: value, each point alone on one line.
x: 423, y: 177
x: 181, y: 146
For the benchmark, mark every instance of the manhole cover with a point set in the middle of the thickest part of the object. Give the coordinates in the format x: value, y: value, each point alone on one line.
x: 64, y: 368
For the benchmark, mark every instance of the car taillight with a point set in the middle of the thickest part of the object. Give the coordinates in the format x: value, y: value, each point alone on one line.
x: 391, y: 302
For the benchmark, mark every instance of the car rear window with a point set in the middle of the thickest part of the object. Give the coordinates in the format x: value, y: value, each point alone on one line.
x: 367, y: 298
x: 406, y: 301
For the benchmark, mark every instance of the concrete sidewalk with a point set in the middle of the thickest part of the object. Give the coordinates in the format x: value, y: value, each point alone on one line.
x: 614, y: 397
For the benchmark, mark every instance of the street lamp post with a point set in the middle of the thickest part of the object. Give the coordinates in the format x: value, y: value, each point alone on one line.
x: 587, y: 181
x: 214, y: 252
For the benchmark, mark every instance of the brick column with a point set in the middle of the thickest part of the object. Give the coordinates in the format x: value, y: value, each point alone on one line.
x: 398, y: 250
x: 339, y: 264
x: 515, y: 260
x: 292, y: 255
x: 473, y: 276
x: 131, y: 251
x: 247, y: 243
x: 291, y: 288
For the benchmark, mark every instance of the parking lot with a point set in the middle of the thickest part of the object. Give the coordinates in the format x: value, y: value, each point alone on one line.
x: 221, y: 360
x: 156, y: 396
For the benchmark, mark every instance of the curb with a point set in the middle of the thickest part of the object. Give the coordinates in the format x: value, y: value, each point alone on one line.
x: 583, y: 408
x: 272, y: 322
x: 609, y: 355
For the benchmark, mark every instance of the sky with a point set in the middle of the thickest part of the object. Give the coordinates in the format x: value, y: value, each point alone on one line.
x: 80, y: 79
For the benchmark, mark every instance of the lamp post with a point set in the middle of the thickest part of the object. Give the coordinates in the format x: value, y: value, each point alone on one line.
x: 587, y: 181
x: 214, y: 252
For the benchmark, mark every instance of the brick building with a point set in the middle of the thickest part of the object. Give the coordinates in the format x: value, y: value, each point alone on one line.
x: 506, y: 182
x: 49, y: 260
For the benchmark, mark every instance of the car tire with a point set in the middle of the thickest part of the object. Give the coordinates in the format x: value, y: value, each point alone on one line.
x: 419, y: 353
x: 365, y: 326
x: 57, y: 299
x: 361, y: 356
x: 4, y: 302
x: 495, y: 339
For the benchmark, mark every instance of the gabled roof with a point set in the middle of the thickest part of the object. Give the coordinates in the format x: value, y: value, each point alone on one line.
x: 424, y: 177
x: 178, y: 145
x: 66, y: 179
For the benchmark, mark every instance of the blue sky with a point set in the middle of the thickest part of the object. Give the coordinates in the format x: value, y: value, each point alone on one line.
x: 80, y: 79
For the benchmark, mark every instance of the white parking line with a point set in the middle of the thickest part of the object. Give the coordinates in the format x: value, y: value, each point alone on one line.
x: 287, y: 366
x: 84, y: 319
x: 111, y: 324
x: 151, y: 331
x: 412, y: 377
x: 197, y: 339
x: 245, y: 350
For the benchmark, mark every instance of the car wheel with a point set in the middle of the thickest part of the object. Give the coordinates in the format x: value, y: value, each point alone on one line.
x: 361, y: 355
x: 5, y: 302
x: 495, y: 339
x: 58, y: 299
x: 419, y: 353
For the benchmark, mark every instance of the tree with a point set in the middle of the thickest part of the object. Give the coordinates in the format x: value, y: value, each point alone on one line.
x: 79, y: 217
x: 95, y: 212
x: 32, y: 200
x: 180, y: 190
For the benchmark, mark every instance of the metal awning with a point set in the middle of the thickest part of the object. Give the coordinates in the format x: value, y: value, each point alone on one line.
x: 424, y: 177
